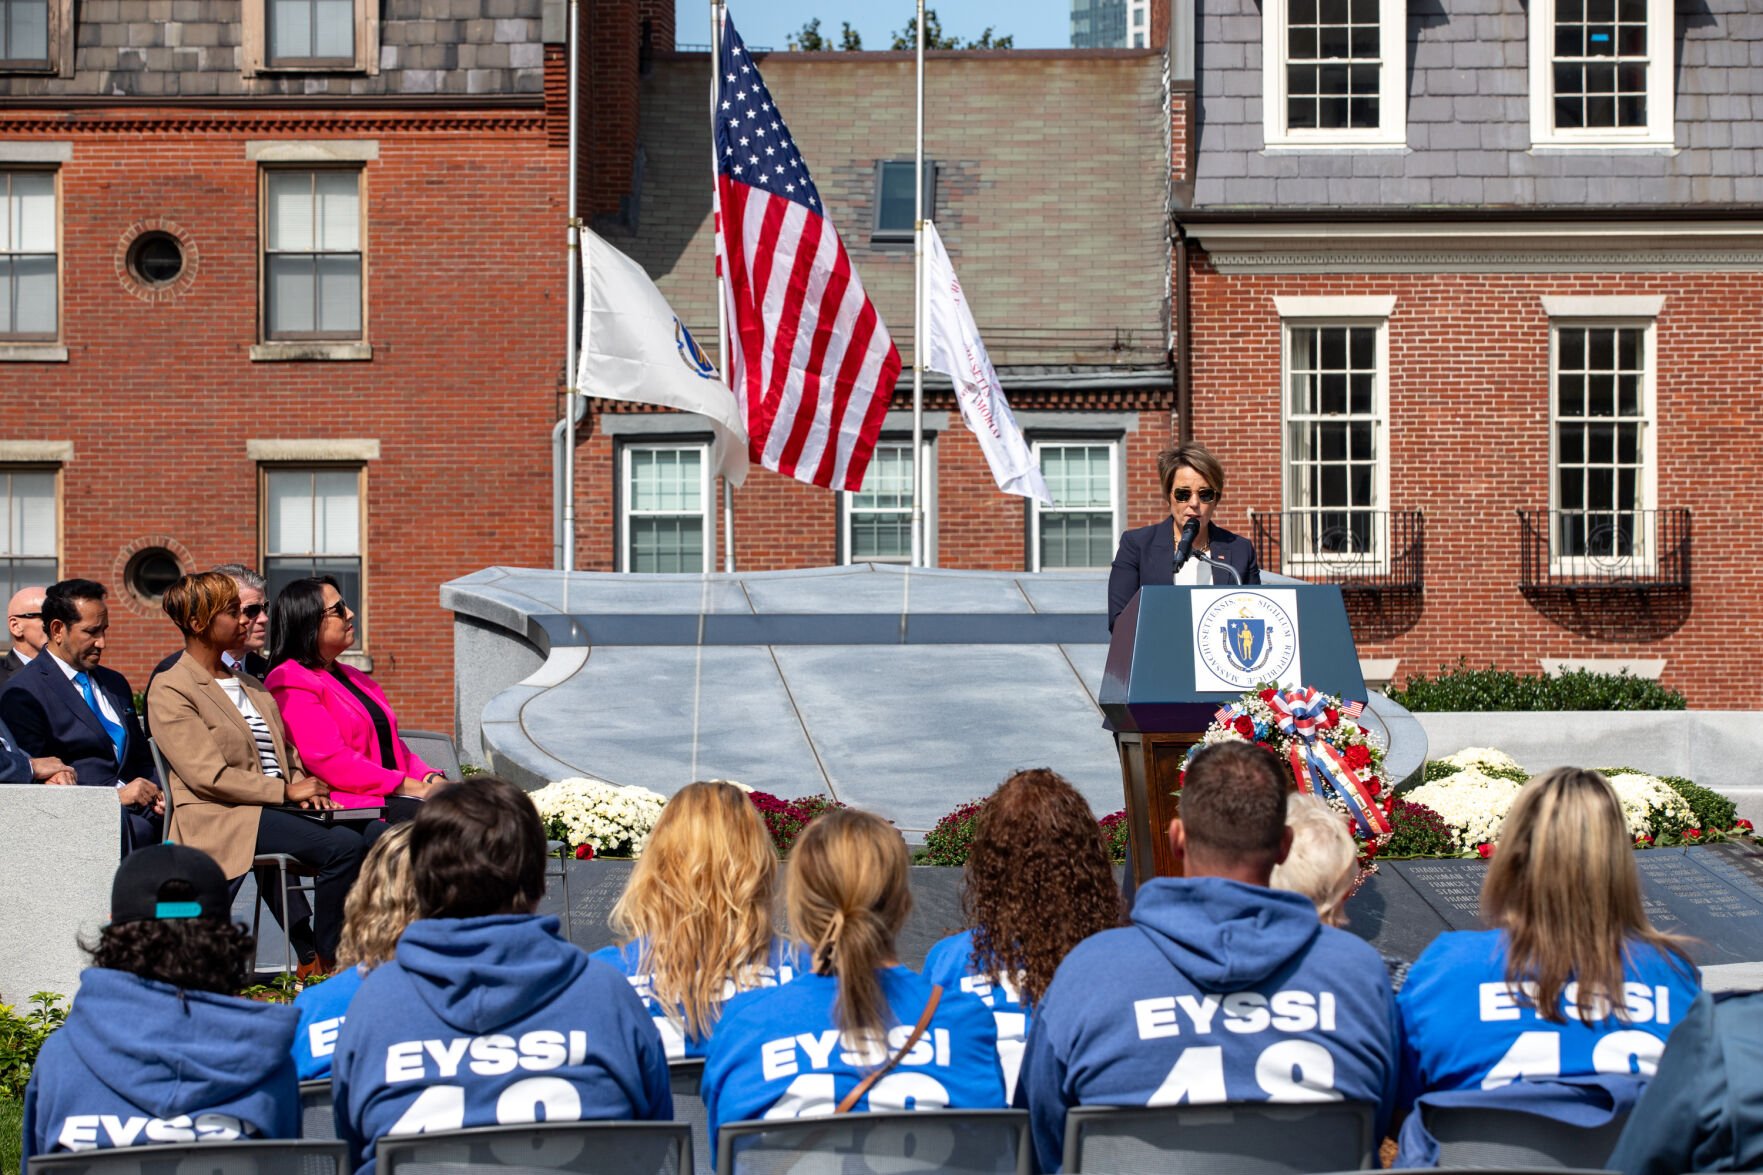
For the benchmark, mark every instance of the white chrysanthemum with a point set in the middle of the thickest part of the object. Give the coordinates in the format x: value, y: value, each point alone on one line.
x: 1650, y: 805
x: 600, y: 814
x: 1482, y: 757
x: 1471, y: 801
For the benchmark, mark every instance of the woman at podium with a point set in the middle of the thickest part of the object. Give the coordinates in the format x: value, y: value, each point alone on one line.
x: 1193, y: 485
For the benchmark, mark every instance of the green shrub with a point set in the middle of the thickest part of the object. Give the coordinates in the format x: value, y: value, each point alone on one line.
x: 11, y: 1134
x: 1714, y: 812
x: 1438, y: 769
x: 21, y: 1035
x: 1464, y: 688
x: 949, y: 842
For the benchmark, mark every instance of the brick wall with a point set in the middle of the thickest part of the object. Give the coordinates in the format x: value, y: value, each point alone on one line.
x: 1468, y: 437
x: 464, y: 288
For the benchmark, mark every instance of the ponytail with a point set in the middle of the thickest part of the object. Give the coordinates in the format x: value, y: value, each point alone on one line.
x: 847, y: 899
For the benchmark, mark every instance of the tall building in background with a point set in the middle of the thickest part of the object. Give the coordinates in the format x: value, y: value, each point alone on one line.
x: 1101, y: 24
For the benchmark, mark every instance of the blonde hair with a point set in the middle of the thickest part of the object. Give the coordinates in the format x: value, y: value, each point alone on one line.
x: 381, y: 904
x: 847, y: 898
x: 1323, y: 860
x: 1564, y: 887
x: 699, y: 899
x: 195, y: 600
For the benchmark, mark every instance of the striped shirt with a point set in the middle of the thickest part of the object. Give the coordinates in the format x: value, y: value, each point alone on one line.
x: 235, y: 692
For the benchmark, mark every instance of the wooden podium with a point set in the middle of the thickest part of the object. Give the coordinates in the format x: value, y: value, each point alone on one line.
x: 1156, y: 711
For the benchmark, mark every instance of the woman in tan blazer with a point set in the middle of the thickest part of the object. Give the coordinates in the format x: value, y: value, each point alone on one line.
x: 234, y: 780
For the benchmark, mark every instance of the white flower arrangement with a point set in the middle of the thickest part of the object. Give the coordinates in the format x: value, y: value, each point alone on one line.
x: 1472, y: 802
x: 1482, y: 757
x: 1650, y: 806
x: 605, y: 816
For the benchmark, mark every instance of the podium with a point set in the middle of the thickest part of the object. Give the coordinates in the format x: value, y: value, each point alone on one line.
x: 1179, y: 653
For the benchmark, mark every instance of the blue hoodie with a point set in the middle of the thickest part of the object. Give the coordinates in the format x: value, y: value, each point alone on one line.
x: 777, y: 1054
x: 139, y: 1062
x: 780, y: 966
x: 492, y: 1021
x: 1218, y: 991
x: 950, y: 963
x: 322, y: 1008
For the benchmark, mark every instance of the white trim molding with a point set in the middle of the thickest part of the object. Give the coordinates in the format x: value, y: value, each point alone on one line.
x: 1391, y: 133
x: 316, y: 449
x: 36, y: 452
x: 1651, y: 668
x: 1634, y: 306
x: 36, y: 151
x: 311, y: 150
x: 1661, y: 126
x: 1343, y: 306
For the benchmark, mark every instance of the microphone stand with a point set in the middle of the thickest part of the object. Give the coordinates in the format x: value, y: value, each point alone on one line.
x: 1205, y: 558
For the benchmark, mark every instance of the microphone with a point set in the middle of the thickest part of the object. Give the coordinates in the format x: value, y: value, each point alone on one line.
x: 1188, y: 534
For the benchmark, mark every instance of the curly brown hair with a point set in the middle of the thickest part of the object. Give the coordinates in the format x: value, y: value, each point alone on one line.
x: 191, y: 954
x: 1038, y: 848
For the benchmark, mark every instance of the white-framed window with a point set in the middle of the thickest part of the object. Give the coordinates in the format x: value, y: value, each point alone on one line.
x: 1601, y: 482
x: 31, y: 535
x: 875, y: 523
x: 895, y: 209
x: 1336, y: 453
x: 1335, y: 73
x: 1601, y: 73
x: 666, y: 499
x: 1082, y: 526
x: 313, y: 524
x: 312, y: 261
x: 29, y: 293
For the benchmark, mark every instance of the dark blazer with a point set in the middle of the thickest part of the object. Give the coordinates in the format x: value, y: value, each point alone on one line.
x: 10, y: 664
x: 48, y: 715
x: 1147, y: 556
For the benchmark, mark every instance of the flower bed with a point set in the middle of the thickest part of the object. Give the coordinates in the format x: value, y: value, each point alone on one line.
x: 594, y: 818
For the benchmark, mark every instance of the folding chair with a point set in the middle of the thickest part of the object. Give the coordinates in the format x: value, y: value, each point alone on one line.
x: 317, y: 1120
x: 686, y: 1077
x: 966, y: 1142
x: 591, y: 1148
x: 1225, y: 1138
x: 1470, y: 1136
x: 280, y: 1156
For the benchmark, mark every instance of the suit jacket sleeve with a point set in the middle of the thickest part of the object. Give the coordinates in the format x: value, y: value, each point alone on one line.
x: 140, y: 759
x: 1123, y: 576
x: 192, y: 754
x: 22, y: 711
x: 1252, y: 572
x: 15, y: 764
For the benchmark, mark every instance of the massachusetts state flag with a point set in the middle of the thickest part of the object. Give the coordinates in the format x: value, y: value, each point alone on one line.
x: 808, y: 356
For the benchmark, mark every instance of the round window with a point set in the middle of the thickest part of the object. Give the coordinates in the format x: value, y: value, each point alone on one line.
x: 156, y: 259
x: 151, y: 571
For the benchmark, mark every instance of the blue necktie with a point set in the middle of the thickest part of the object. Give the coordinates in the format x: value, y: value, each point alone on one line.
x: 117, y: 734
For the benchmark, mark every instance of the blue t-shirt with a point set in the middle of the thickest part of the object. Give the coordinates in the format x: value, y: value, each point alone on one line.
x: 1463, y: 1028
x: 777, y: 1054
x: 950, y: 963
x: 780, y: 966
x: 322, y: 1008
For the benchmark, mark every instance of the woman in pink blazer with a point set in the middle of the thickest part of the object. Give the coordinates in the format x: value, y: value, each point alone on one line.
x: 337, y: 717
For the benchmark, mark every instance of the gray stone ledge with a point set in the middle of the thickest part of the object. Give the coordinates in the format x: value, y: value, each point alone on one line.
x: 36, y: 152
x: 297, y: 352
x: 24, y: 452
x: 314, y: 449
x: 32, y: 354
x: 311, y: 150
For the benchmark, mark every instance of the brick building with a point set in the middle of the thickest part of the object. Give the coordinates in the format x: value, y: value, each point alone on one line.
x: 283, y: 285
x: 1047, y: 184
x: 1471, y: 295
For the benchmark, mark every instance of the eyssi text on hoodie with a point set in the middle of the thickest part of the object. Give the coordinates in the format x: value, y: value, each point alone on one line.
x: 1218, y: 991
x: 323, y: 1007
x: 777, y: 1053
x: 140, y: 1063
x: 780, y: 966
x: 492, y: 1021
x: 950, y: 963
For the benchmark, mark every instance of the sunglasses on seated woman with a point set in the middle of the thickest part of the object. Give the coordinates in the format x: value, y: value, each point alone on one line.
x: 340, y: 610
x: 1206, y: 495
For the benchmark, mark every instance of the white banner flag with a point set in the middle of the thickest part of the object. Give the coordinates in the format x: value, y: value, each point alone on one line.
x: 952, y: 346
x: 634, y: 347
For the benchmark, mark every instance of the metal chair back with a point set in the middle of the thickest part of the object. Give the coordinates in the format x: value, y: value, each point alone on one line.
x: 686, y: 1076
x: 1227, y: 1138
x: 966, y: 1142
x: 591, y: 1148
x: 1470, y: 1136
x: 435, y: 749
x: 281, y: 1156
x: 317, y: 1120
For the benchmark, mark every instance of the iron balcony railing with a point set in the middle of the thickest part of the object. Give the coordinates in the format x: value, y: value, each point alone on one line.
x: 1359, y: 550
x: 1638, y: 549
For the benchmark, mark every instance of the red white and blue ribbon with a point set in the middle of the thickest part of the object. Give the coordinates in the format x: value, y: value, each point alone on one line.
x: 1317, y: 765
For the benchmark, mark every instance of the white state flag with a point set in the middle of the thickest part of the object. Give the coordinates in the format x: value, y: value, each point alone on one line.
x: 952, y: 346
x: 634, y: 347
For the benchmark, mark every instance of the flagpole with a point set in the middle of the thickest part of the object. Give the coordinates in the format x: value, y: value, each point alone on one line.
x: 920, y: 548
x: 728, y: 487
x: 571, y: 301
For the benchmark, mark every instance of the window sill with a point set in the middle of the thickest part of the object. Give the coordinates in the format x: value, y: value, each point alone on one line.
x: 32, y: 353
x: 1624, y: 146
x: 1307, y: 146
x: 300, y: 352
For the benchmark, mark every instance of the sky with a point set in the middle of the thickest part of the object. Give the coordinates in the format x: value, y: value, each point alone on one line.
x: 1036, y: 24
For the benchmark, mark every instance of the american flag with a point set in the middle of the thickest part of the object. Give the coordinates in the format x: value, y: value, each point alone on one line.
x: 807, y: 350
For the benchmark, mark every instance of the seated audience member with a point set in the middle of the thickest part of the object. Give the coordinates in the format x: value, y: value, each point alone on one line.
x: 24, y: 621
x: 860, y: 1032
x: 696, y: 915
x: 247, y: 655
x: 338, y: 717
x: 486, y: 1016
x: 1037, y: 848
x: 1323, y: 864
x: 159, y: 1048
x: 1222, y: 989
x: 65, y: 705
x: 234, y: 781
x: 1703, y: 1110
x: 380, y: 906
x: 1575, y: 992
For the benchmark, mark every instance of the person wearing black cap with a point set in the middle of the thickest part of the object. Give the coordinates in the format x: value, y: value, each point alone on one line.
x: 158, y: 1048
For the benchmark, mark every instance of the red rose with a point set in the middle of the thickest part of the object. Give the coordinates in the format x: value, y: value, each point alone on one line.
x: 1376, y: 786
x: 1182, y: 779
x: 1746, y: 825
x: 584, y: 852
x: 1268, y: 695
x: 1643, y: 839
x: 1245, y: 726
x: 1357, y: 757
x: 1486, y: 850
x: 1331, y: 717
x: 1693, y: 833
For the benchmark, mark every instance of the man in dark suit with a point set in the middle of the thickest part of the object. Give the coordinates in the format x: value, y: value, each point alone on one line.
x: 248, y: 655
x: 67, y: 705
x: 24, y: 620
x: 1193, y: 485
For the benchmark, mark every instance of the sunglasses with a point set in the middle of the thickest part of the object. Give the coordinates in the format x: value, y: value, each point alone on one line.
x: 253, y: 611
x: 26, y: 616
x: 340, y: 610
x: 1206, y: 495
